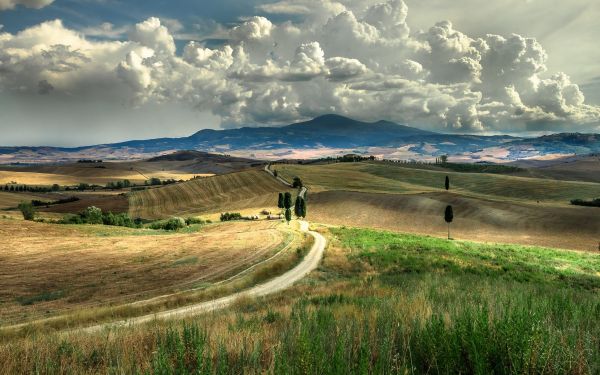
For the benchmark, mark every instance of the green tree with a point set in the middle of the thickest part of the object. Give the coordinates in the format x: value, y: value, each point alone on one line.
x: 303, y: 208
x: 55, y: 187
x: 448, y: 216
x: 92, y: 215
x: 298, y: 207
x: 444, y: 159
x: 27, y: 210
x: 280, y: 201
x: 288, y: 215
x: 447, y: 183
x: 297, y: 182
x: 287, y: 200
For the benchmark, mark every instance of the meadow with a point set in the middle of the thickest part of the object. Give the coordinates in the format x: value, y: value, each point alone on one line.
x: 396, y: 178
x: 487, y: 207
x: 382, y: 303
x: 71, y: 268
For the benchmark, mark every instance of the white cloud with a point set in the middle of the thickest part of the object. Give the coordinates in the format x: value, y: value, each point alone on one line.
x: 36, y: 4
x: 359, y: 61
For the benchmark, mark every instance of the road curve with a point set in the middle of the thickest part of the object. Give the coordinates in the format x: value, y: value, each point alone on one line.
x: 308, y: 264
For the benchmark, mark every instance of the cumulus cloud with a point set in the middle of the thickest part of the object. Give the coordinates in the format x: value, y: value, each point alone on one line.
x: 361, y: 62
x: 36, y: 4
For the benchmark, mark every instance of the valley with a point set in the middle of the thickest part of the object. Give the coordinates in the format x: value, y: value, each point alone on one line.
x: 375, y: 247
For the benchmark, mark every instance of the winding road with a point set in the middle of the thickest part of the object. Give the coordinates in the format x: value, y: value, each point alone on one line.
x: 277, y: 284
x: 309, y: 263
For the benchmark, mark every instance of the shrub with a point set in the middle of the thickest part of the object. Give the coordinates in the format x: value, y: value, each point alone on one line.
x: 297, y: 182
x: 92, y: 215
x: 27, y: 210
x: 228, y: 216
x: 193, y: 220
x: 174, y: 223
x: 581, y: 202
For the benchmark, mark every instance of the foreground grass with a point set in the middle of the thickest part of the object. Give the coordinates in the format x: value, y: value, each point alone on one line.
x: 381, y: 303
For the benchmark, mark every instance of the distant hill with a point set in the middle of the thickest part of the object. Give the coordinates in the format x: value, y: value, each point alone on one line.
x: 328, y: 131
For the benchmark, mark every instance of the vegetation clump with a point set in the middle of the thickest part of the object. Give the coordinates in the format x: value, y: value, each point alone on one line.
x: 124, y: 184
x: 581, y: 202
x: 173, y: 224
x: 229, y: 216
x: 28, y: 210
x: 39, y: 203
x: 94, y: 215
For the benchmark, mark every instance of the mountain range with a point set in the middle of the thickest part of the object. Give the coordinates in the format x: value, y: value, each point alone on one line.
x: 323, y: 132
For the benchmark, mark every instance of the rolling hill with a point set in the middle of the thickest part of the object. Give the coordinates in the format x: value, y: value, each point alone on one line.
x: 487, y: 207
x: 233, y: 191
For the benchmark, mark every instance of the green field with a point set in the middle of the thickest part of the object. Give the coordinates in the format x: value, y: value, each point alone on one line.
x: 381, y: 302
x: 394, y: 178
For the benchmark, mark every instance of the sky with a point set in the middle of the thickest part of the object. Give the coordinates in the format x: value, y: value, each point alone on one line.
x: 80, y: 72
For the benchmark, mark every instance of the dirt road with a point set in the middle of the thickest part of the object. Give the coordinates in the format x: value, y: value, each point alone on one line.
x: 309, y: 263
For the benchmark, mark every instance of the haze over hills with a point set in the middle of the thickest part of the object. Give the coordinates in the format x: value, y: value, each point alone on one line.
x: 334, y: 132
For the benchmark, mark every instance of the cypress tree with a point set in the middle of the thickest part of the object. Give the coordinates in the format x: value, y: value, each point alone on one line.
x: 287, y: 200
x: 448, y: 216
x: 288, y: 215
x: 303, y: 208
x: 447, y: 184
x: 298, y: 207
x: 280, y: 201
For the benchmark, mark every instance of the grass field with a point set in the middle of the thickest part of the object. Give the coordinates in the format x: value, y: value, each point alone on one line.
x: 487, y: 207
x: 48, y: 270
x: 381, y: 302
x: 234, y: 191
x: 387, y: 177
x: 73, y: 174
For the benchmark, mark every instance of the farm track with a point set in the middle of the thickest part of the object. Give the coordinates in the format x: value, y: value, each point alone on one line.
x: 308, y: 264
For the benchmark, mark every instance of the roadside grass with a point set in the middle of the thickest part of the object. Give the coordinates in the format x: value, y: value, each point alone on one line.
x: 363, y: 312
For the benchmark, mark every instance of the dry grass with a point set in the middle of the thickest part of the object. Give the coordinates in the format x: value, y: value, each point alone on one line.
x: 51, y: 269
x: 394, y: 178
x: 234, y: 191
x: 475, y: 219
x: 11, y: 200
x: 73, y: 174
x: 487, y: 208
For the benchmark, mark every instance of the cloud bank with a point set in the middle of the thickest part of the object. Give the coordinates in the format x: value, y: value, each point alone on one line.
x: 360, y: 61
x: 36, y: 4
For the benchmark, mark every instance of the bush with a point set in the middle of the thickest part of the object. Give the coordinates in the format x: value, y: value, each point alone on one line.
x: 119, y: 220
x: 297, y: 182
x: 174, y: 223
x: 71, y: 219
x: 581, y: 202
x: 92, y: 215
x: 228, y: 216
x: 193, y: 220
x: 27, y: 210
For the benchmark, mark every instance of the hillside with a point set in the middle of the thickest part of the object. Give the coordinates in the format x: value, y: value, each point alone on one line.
x: 575, y: 168
x: 487, y: 207
x: 235, y: 191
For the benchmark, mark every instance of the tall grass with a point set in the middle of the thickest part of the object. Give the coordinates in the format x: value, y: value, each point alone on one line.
x: 466, y: 315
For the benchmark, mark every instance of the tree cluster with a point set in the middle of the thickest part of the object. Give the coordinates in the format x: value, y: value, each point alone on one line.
x: 94, y: 215
x: 124, y: 184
